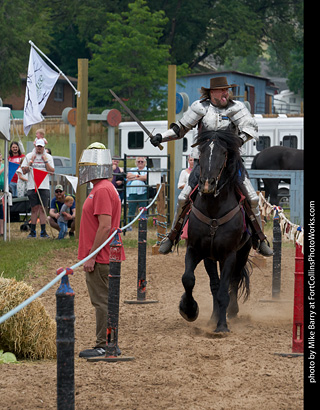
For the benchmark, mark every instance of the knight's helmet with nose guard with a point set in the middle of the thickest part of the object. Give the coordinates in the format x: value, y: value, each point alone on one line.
x: 95, y: 163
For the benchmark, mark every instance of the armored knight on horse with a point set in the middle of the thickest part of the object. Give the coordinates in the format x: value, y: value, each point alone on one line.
x: 214, y: 111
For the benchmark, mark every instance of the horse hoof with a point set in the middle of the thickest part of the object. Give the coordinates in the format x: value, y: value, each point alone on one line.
x: 191, y: 316
x: 232, y: 314
x: 222, y: 329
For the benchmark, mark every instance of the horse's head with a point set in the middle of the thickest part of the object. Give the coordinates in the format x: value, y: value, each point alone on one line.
x: 215, y: 152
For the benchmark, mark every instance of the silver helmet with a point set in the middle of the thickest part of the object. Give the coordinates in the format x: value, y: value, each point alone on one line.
x: 95, y: 163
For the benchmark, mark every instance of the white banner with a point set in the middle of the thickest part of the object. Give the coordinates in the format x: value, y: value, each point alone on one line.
x: 40, y: 82
x: 73, y: 181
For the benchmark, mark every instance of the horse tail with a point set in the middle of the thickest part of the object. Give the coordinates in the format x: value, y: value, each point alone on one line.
x: 244, y: 283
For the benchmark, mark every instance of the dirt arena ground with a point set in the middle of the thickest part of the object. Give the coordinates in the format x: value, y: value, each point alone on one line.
x: 177, y: 365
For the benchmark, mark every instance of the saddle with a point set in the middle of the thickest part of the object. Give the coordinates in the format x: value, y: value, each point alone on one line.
x: 242, y: 205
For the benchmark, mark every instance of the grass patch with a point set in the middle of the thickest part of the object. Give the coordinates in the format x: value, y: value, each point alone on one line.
x: 133, y: 243
x: 18, y: 258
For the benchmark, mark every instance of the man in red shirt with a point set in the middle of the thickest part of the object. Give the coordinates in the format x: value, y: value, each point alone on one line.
x: 101, y: 214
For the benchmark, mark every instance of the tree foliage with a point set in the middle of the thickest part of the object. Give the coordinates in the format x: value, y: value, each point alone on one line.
x: 128, y: 58
x: 184, y: 32
x: 18, y: 24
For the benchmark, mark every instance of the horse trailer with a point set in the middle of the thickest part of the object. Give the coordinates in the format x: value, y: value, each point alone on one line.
x: 281, y: 130
x: 135, y: 142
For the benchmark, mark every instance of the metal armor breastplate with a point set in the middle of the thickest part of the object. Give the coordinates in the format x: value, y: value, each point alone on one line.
x: 215, y: 119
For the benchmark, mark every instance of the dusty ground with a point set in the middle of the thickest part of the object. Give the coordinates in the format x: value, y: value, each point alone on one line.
x: 178, y: 365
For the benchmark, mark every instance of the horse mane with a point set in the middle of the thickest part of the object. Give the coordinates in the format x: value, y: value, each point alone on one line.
x: 231, y: 142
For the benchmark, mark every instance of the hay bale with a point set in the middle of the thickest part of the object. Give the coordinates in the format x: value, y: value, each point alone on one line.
x: 30, y: 333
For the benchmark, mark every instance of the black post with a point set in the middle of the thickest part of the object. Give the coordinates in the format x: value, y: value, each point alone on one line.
x: 65, y: 343
x: 112, y: 349
x: 276, y: 273
x: 142, y: 256
x: 142, y: 263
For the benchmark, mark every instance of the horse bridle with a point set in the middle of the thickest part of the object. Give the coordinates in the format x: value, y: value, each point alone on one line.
x: 216, y: 191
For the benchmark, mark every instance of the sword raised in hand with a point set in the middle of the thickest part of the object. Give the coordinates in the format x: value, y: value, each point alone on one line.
x: 134, y: 117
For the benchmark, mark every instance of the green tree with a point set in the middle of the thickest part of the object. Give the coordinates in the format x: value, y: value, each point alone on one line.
x: 296, y: 77
x: 128, y: 58
x: 18, y: 24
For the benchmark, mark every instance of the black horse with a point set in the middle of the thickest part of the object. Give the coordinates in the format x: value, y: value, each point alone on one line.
x: 277, y: 158
x: 217, y: 230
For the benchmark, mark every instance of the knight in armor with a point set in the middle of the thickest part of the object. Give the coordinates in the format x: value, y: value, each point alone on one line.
x: 214, y: 111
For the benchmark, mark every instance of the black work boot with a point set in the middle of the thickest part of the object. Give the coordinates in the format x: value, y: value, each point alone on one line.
x: 165, y: 245
x: 264, y: 249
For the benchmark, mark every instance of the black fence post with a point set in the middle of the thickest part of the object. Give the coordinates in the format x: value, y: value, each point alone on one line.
x: 142, y: 255
x: 276, y: 272
x: 142, y: 263
x: 65, y: 343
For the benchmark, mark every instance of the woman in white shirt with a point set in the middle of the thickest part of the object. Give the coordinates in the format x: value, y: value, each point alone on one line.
x: 184, y: 175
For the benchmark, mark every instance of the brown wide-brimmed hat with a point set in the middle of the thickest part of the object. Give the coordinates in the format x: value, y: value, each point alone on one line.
x: 216, y: 83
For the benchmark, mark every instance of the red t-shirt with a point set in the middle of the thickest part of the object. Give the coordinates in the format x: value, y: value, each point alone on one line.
x: 103, y: 200
x: 16, y: 160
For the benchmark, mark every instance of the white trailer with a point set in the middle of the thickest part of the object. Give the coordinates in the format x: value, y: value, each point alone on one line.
x: 281, y: 130
x: 135, y: 142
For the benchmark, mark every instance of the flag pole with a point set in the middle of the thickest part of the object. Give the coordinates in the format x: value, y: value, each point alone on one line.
x: 56, y: 67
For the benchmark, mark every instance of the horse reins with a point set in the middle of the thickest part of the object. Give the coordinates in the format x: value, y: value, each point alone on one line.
x: 216, y: 190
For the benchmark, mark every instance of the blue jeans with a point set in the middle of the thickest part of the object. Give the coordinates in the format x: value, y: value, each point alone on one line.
x: 14, y: 189
x: 63, y: 229
x: 143, y: 202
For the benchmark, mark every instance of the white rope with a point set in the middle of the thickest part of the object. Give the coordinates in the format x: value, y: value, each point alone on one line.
x: 57, y: 278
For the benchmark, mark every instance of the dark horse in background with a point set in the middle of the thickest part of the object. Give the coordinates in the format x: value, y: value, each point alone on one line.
x: 277, y: 158
x: 216, y: 231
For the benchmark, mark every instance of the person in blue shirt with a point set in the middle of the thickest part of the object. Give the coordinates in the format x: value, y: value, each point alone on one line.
x: 55, y: 207
x: 137, y: 194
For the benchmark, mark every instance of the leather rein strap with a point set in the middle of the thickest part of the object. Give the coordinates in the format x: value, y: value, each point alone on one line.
x: 215, y: 223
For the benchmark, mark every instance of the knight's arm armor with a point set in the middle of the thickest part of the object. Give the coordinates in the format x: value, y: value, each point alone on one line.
x: 240, y: 116
x: 213, y: 118
x: 190, y: 119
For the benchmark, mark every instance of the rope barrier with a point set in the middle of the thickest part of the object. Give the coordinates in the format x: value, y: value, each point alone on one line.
x: 291, y: 231
x: 17, y: 309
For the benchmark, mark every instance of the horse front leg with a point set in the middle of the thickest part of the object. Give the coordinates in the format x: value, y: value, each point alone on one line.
x: 212, y: 271
x: 188, y: 307
x: 227, y: 267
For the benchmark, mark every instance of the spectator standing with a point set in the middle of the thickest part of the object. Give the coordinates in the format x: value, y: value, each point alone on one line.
x: 136, y: 187
x: 22, y: 183
x: 118, y: 179
x: 42, y: 161
x: 16, y: 157
x: 55, y: 208
x: 64, y: 216
x: 184, y: 175
x: 101, y: 214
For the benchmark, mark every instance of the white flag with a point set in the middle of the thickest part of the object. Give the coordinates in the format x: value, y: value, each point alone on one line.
x: 73, y: 181
x: 40, y: 82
